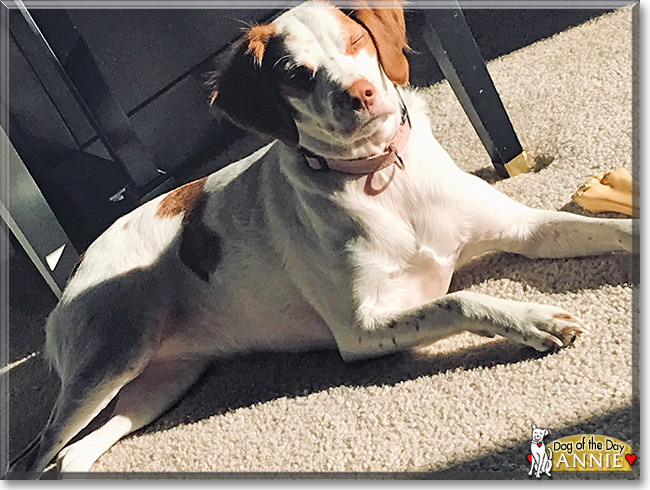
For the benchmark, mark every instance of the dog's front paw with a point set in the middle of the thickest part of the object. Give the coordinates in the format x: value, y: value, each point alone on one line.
x: 548, y: 328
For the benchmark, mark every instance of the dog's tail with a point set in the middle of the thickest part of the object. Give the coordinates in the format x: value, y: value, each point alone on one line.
x: 550, y: 453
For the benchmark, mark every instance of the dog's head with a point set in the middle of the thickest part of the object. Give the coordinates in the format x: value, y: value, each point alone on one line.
x: 319, y: 77
x: 538, y: 434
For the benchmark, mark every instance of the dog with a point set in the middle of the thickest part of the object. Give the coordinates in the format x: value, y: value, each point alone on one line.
x: 342, y: 233
x: 540, y: 462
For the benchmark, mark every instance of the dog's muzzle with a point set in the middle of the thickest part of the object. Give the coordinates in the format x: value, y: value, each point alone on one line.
x: 370, y: 165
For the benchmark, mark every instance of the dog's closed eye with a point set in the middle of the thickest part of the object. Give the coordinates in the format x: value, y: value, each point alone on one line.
x: 357, y: 42
x: 357, y: 39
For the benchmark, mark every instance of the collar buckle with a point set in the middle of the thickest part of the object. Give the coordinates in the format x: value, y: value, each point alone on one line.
x: 399, y: 162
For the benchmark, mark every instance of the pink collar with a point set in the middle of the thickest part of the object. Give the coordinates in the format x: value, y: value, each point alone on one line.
x: 368, y: 165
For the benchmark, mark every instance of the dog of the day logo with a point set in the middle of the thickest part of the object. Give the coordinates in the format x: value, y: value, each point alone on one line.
x: 582, y: 452
x: 591, y: 452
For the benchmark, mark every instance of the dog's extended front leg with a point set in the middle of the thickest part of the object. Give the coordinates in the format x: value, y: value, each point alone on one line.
x: 542, y: 327
x: 552, y: 234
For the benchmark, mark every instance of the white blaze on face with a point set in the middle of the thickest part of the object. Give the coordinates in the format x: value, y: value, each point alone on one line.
x: 338, y: 52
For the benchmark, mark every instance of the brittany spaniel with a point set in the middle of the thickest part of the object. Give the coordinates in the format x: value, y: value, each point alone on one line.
x: 342, y: 233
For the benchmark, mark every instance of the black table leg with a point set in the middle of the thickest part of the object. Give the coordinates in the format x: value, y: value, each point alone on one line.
x: 448, y: 37
x: 68, y: 51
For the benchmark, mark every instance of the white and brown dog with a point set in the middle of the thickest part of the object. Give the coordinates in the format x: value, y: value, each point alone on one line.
x: 343, y: 233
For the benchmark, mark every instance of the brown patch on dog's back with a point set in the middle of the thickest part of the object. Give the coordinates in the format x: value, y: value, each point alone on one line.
x: 200, y: 247
x: 257, y: 37
x: 179, y: 200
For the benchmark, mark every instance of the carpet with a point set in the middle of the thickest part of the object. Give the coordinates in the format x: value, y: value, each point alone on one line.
x: 461, y: 408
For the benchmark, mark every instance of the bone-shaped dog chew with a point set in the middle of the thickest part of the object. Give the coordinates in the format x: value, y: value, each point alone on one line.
x: 609, y: 191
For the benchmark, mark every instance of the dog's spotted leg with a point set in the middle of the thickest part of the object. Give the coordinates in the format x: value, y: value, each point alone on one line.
x: 550, y: 234
x: 542, y: 327
x: 139, y: 403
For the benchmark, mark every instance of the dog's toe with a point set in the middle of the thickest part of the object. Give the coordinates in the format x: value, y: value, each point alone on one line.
x: 568, y: 328
x: 548, y: 328
x: 570, y: 334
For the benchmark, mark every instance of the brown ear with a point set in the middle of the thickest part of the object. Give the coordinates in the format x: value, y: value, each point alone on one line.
x: 246, y: 90
x: 388, y: 30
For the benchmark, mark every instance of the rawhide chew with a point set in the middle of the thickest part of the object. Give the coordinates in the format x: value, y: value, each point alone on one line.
x: 609, y: 191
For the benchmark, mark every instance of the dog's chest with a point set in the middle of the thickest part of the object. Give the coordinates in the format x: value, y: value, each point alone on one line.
x: 410, y: 241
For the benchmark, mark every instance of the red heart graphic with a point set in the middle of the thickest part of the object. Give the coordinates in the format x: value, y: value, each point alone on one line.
x: 631, y: 458
x: 539, y: 444
x: 529, y: 458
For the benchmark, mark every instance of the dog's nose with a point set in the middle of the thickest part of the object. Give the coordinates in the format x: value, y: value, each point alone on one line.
x: 363, y: 93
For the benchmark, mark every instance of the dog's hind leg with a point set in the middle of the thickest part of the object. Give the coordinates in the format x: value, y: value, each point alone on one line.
x: 80, y: 400
x: 93, y: 368
x: 139, y: 403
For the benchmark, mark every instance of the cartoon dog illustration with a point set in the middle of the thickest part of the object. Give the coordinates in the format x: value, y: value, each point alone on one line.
x: 540, y: 461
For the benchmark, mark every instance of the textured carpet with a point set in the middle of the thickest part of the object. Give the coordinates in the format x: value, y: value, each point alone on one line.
x: 463, y: 407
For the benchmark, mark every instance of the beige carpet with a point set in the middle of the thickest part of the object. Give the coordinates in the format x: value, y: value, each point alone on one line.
x: 463, y: 407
